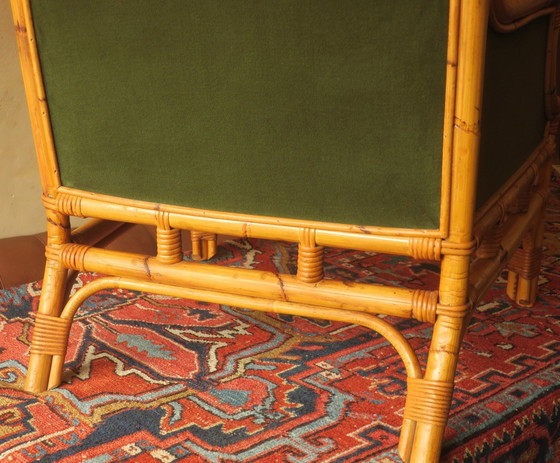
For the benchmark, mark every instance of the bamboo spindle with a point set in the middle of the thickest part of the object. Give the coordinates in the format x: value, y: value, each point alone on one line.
x: 310, y: 258
x: 204, y: 245
x: 169, y: 249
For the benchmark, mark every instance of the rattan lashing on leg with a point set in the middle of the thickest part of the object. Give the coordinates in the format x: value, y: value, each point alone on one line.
x: 50, y: 335
x: 428, y: 401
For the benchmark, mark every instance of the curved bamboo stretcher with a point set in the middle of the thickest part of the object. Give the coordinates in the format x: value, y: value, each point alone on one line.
x: 472, y: 246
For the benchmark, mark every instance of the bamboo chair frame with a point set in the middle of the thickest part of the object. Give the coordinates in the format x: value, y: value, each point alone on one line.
x: 472, y: 246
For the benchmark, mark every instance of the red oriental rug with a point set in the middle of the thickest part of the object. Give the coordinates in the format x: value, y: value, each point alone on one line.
x: 155, y: 379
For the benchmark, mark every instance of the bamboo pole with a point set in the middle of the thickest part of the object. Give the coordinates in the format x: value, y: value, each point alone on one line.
x: 36, y: 98
x: 415, y: 243
x: 207, y: 220
x: 448, y: 330
x: 246, y: 282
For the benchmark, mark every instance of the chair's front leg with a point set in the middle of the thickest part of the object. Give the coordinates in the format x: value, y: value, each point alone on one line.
x: 429, y: 399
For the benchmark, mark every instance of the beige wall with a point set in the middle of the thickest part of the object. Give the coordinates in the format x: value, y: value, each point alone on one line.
x: 21, y: 211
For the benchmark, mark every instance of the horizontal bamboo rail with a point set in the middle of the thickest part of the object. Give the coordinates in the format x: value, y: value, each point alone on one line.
x: 244, y: 282
x: 136, y: 211
x: 414, y: 243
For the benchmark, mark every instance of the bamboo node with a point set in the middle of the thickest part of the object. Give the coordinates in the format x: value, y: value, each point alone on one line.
x: 458, y: 249
x: 464, y: 126
x: 72, y: 256
x: 50, y: 335
x: 457, y: 311
x: 425, y: 248
x: 424, y: 305
x: 428, y: 401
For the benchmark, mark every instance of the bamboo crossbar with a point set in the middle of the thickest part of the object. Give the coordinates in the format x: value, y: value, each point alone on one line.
x: 385, y: 329
x: 244, y: 282
x: 414, y: 243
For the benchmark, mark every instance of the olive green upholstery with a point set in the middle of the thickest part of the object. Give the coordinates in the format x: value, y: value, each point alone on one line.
x: 320, y: 110
x: 323, y: 110
x: 513, y: 112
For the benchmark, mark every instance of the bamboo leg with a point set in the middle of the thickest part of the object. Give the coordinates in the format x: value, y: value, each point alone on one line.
x: 429, y: 399
x: 52, y: 297
x: 50, y: 333
x: 524, y: 266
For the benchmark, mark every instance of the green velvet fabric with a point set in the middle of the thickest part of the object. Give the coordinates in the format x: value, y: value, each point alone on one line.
x: 513, y: 112
x: 312, y: 109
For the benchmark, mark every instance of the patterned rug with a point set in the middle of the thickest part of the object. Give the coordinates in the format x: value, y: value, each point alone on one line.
x: 155, y: 379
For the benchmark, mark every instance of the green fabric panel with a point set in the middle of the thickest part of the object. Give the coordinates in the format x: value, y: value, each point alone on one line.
x: 513, y: 113
x: 322, y: 110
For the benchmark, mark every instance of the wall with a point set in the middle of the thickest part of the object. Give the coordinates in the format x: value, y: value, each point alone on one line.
x: 21, y: 211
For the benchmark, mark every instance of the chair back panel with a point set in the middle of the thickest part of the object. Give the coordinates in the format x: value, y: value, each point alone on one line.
x: 323, y: 110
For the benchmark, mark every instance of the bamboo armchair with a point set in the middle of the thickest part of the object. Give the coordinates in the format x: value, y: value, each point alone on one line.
x: 321, y: 123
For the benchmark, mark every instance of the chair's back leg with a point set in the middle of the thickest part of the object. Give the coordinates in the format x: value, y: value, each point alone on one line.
x: 524, y: 266
x: 50, y: 332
